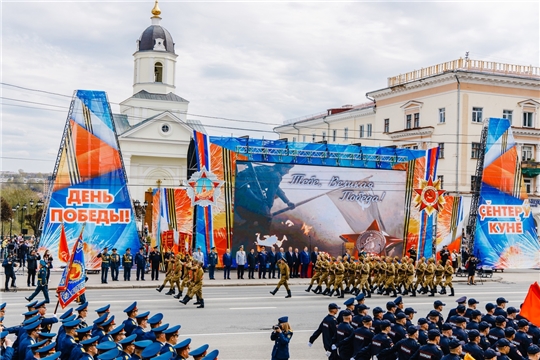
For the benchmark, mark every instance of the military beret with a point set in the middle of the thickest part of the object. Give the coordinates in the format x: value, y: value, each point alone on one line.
x: 37, y: 344
x: 72, y: 324
x: 349, y: 302
x: 131, y: 307
x: 360, y: 297
x: 461, y: 300
x: 117, y: 329
x: 333, y: 306
x: 92, y: 340
x: 30, y: 304
x: 490, y: 306
x: 476, y: 313
x: 523, y: 323
x: 533, y: 349
x: 438, y: 303
x: 32, y: 319
x: 433, y: 333
x: 54, y: 356
x: 141, y: 344
x: 422, y: 321
x: 66, y: 314
x: 472, y: 301
x: 68, y: 319
x: 32, y: 326
x: 454, y: 344
x: 483, y: 325
x: 490, y: 354
x: 103, y: 309
x: 30, y: 313
x: 460, y: 320
x: 512, y: 310
x: 212, y: 355
x: 165, y: 356
x: 109, y: 355
x: 108, y: 321
x: 473, y: 334
x: 155, y: 319
x: 47, y: 347
x: 283, y: 319
x: 385, y: 324
x: 82, y: 306
x: 101, y: 319
x: 509, y: 331
x: 182, y: 344
x: 501, y: 300
x: 142, y: 315
x: 151, y: 350
x: 446, y: 326
x: 398, y: 300
x: 160, y: 328
x: 390, y: 305
x: 199, y: 351
x: 128, y: 340
x: 367, y: 318
x: 500, y: 319
x: 502, y: 342
x: 40, y: 304
x: 106, y: 345
x: 172, y: 329
x: 401, y: 315
x: 46, y: 335
x: 412, y: 330
x: 84, y: 330
x: 42, y: 263
x: 409, y: 311
x: 3, y: 334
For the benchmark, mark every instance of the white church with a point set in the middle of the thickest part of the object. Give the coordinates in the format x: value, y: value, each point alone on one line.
x: 153, y: 129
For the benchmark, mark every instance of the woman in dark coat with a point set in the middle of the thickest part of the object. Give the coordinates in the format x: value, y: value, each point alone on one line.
x: 472, y: 262
x: 281, y: 336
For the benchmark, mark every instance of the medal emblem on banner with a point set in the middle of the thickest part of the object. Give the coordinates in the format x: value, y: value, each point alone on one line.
x: 429, y: 196
x: 204, y: 188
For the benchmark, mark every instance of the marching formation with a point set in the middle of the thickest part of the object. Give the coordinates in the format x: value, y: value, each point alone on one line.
x: 139, y: 336
x: 382, y: 275
x: 465, y: 333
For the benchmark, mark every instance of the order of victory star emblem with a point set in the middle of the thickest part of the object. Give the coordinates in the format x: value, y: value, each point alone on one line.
x: 204, y: 188
x: 429, y: 196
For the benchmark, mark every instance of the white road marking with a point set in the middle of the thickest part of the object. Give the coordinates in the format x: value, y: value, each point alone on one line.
x: 253, y: 308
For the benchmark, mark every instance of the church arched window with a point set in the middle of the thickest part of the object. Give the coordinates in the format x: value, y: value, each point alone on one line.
x: 158, y: 72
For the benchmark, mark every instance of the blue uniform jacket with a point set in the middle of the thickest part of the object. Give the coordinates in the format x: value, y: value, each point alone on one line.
x: 68, y: 343
x: 428, y: 352
x: 141, y: 334
x: 281, y: 345
x: 345, y: 348
x: 129, y: 325
x: 7, y: 353
x: 405, y: 348
x: 381, y: 346
x: 328, y: 330
x: 227, y: 259
x: 474, y: 350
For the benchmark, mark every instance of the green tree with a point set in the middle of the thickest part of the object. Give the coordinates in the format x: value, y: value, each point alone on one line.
x: 6, y: 214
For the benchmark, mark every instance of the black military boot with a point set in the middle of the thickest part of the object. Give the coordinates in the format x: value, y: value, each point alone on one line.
x: 185, y: 300
x: 368, y: 293
x: 274, y: 292
x: 443, y: 290
x: 197, y: 302
x: 338, y: 293
x: 326, y: 291
x: 179, y: 295
x: 413, y: 292
x: 451, y: 292
x: 405, y: 291
x: 317, y: 290
x: 159, y: 289
x: 170, y: 292
x: 342, y: 295
x: 201, y: 304
x: 432, y: 292
x: 347, y: 290
x: 309, y: 288
x: 288, y: 294
x: 394, y: 293
x: 331, y: 293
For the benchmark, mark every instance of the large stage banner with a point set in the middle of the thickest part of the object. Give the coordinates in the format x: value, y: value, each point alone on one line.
x: 172, y: 219
x: 505, y: 234
x: 89, y: 184
x: 450, y: 225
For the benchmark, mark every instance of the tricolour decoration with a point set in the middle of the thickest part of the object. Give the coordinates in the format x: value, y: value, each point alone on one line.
x: 505, y: 234
x: 450, y: 224
x: 89, y: 184
x: 73, y: 281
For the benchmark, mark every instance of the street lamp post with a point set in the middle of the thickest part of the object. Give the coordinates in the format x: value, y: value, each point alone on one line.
x: 24, y: 207
x: 37, y: 206
x: 11, y: 222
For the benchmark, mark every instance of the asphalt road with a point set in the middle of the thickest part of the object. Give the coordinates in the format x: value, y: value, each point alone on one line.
x: 238, y: 320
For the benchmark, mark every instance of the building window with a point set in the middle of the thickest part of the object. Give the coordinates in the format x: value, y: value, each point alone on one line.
x: 473, y: 183
x: 441, y: 150
x: 526, y: 152
x: 369, y: 130
x: 477, y: 114
x: 294, y: 139
x: 346, y: 134
x: 475, y: 153
x: 416, y: 120
x: 165, y: 128
x: 528, y: 185
x: 415, y: 147
x: 313, y: 137
x: 507, y: 114
x: 386, y: 125
x: 528, y: 119
x: 442, y: 115
x: 361, y: 131
x: 408, y: 123
x: 158, y: 72
x: 441, y: 180
x: 334, y: 134
x: 303, y: 138
x: 324, y: 135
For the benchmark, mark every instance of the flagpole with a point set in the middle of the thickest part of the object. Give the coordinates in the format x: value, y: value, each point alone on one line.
x: 56, y: 308
x: 68, y: 267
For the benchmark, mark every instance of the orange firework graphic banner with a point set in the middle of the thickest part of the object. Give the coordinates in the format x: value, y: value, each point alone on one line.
x: 450, y: 224
x: 172, y: 214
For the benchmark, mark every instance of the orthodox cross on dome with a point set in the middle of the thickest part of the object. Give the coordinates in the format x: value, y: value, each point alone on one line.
x: 429, y: 196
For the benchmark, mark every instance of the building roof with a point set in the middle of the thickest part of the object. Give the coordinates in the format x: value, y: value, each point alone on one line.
x: 121, y: 123
x: 147, y: 41
x: 143, y: 94
x: 196, y: 125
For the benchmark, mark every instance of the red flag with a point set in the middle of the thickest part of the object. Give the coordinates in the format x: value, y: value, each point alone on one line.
x: 531, y: 305
x: 63, y: 250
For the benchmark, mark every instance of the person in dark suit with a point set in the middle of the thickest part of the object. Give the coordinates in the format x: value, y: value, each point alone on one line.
x: 296, y: 263
x: 262, y: 260
x: 227, y: 263
x: 271, y: 258
x: 313, y: 256
x: 252, y: 261
x: 155, y: 258
x: 289, y: 257
x: 32, y: 268
x: 140, y: 262
x: 304, y: 262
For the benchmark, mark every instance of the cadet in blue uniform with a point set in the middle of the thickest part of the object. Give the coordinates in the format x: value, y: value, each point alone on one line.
x: 522, y: 339
x: 128, y: 347
x: 130, y: 323
x: 475, y: 318
x: 377, y: 319
x: 281, y: 336
x: 483, y: 328
x: 381, y: 345
x: 501, y: 305
x: 127, y: 263
x: 390, y: 310
x: 472, y: 347
x: 106, y: 325
x: 397, y: 331
x: 459, y: 330
x: 6, y: 352
x: 32, y: 335
x: 344, y: 331
x: 83, y: 311
x: 460, y: 301
x: 171, y: 337
x: 115, y: 264
x: 199, y: 352
x: 139, y: 347
x: 42, y: 285
x: 423, y: 326
x: 151, y: 351
x: 503, y: 347
x: 471, y: 307
x: 327, y: 328
x: 142, y: 323
x: 212, y: 355
x: 105, y: 264
x: 159, y: 335
x: 97, y: 329
x: 182, y: 349
x: 362, y: 336
x: 446, y: 336
x: 455, y: 350
x: 154, y: 322
x: 533, y: 351
x: 349, y: 303
x: 497, y: 332
x: 431, y: 350
x: 31, y: 350
x: 406, y: 347
x: 68, y: 342
x: 488, y: 317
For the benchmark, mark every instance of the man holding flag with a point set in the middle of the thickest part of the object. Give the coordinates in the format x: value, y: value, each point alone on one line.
x: 73, y: 281
x: 42, y: 285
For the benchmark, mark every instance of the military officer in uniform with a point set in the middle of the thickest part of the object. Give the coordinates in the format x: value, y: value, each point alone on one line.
x: 281, y: 336
x: 115, y: 264
x: 42, y: 285
x: 127, y: 263
x: 430, y: 351
x: 285, y: 273
x: 196, y: 286
x: 182, y: 349
x: 130, y: 323
x: 128, y: 347
x: 327, y: 328
x: 105, y: 264
x: 171, y: 338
